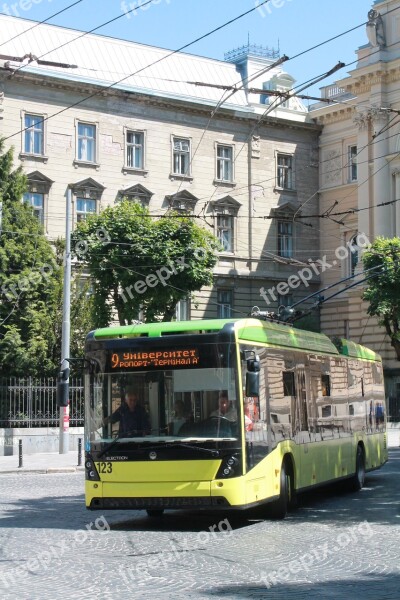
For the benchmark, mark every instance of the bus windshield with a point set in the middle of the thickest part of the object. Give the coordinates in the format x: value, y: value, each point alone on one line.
x: 160, y: 406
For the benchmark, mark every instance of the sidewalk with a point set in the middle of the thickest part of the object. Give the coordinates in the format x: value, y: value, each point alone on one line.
x: 49, y: 462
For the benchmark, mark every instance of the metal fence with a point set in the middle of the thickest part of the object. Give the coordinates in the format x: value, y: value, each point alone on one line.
x: 32, y: 403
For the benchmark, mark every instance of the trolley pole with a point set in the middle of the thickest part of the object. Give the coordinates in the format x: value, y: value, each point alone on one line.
x: 65, y: 335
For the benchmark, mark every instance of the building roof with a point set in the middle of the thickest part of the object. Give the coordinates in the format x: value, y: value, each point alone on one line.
x: 104, y: 60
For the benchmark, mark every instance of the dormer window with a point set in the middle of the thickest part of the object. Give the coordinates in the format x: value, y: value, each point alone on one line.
x: 280, y: 83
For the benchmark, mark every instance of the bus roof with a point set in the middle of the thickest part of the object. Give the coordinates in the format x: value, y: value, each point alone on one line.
x: 247, y: 330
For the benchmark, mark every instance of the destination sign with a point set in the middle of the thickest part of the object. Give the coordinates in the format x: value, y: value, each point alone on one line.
x: 156, y: 359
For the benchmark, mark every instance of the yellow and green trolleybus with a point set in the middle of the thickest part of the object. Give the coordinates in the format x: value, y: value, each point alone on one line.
x: 229, y: 414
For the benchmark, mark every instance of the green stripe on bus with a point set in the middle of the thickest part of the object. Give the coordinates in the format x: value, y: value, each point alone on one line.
x: 248, y: 329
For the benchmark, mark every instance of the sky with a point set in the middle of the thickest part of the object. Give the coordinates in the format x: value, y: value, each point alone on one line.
x: 292, y: 25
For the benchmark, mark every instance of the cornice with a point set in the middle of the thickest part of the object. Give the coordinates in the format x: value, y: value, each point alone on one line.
x: 147, y: 100
x: 336, y: 115
x: 362, y: 82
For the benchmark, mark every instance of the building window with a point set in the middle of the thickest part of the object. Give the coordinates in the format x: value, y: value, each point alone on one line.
x: 326, y: 385
x: 34, y: 134
x: 182, y: 310
x: 37, y: 203
x: 137, y: 193
x: 86, y: 142
x: 284, y: 171
x: 353, y: 254
x: 285, y: 239
x: 285, y: 300
x: 225, y: 232
x: 224, y: 300
x: 352, y: 163
x: 135, y: 149
x: 224, y: 163
x: 181, y: 156
x: 289, y: 386
x: 84, y: 207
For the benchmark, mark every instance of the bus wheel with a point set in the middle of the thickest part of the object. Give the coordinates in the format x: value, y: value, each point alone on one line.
x: 357, y: 481
x: 279, y: 508
x: 155, y: 512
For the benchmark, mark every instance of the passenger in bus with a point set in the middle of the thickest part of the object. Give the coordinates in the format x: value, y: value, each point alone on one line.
x: 179, y: 418
x: 225, y: 408
x: 132, y: 417
x: 379, y: 415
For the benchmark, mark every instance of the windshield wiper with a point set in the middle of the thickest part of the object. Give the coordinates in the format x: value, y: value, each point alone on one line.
x: 114, y: 442
x: 158, y: 447
x: 199, y: 448
x: 109, y: 446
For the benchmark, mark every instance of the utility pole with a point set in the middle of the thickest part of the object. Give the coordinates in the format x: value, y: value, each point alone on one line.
x: 63, y: 378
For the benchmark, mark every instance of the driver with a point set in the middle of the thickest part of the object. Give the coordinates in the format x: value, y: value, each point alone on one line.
x: 132, y: 417
x: 225, y: 408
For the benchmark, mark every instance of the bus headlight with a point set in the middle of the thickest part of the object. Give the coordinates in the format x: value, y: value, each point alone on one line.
x: 230, y: 467
x: 90, y: 470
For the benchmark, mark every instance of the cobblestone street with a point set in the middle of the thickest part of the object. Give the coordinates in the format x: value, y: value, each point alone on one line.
x: 336, y: 545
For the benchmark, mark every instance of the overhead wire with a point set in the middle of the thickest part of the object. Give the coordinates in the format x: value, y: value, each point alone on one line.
x: 40, y: 22
x: 246, y: 13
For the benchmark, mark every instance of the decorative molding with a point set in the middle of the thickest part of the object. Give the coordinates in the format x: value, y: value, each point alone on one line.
x: 255, y: 146
x: 333, y: 166
x: 182, y: 201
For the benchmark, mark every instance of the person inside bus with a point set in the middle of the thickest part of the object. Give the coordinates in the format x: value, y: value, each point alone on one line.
x: 179, y: 418
x: 379, y: 415
x: 132, y: 417
x: 225, y: 408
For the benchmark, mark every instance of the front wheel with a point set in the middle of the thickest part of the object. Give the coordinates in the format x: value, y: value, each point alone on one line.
x: 155, y: 512
x: 356, y: 483
x: 279, y: 508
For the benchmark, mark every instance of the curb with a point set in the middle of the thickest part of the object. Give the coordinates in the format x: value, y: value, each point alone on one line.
x: 43, y: 471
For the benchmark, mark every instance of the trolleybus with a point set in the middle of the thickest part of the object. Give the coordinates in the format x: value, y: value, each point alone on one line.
x: 300, y: 411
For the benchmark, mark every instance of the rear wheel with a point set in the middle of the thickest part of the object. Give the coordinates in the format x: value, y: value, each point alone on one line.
x: 356, y: 483
x: 155, y: 512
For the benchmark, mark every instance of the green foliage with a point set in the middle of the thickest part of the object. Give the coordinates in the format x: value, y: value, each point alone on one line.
x: 138, y: 264
x: 383, y: 290
x: 29, y: 283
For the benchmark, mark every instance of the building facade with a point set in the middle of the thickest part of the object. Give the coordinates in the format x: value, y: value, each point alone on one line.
x: 109, y: 118
x: 360, y: 175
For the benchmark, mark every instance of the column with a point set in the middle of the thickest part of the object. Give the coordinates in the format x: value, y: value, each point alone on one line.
x: 380, y: 175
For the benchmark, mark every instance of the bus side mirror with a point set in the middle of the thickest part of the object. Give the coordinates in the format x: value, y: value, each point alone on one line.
x: 253, y: 377
x: 62, y: 392
x: 252, y: 384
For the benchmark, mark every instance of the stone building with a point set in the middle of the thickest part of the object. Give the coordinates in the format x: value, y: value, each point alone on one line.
x: 109, y: 118
x: 359, y: 173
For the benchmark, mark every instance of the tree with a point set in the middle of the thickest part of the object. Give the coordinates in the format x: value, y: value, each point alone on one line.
x: 29, y: 282
x: 383, y: 290
x: 140, y: 264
